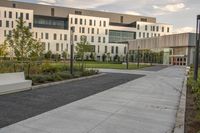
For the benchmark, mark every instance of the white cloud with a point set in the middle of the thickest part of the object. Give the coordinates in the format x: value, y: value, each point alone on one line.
x: 132, y: 13
x: 170, y: 7
x: 184, y: 29
x: 47, y: 2
x: 76, y: 3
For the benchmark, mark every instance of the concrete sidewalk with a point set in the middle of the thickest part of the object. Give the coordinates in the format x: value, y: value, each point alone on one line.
x: 145, y: 105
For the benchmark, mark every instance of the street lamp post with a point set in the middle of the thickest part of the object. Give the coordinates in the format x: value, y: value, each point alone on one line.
x: 197, y: 49
x: 138, y: 61
x: 72, y: 30
x: 127, y: 55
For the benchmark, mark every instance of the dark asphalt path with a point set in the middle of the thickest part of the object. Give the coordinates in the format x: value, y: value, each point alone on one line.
x: 20, y: 106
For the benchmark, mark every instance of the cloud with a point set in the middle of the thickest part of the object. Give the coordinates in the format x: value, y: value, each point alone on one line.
x: 170, y: 7
x: 76, y: 3
x: 184, y: 29
x: 132, y: 13
x: 47, y: 2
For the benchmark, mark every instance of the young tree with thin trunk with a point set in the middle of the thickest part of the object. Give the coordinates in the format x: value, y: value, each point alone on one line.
x: 22, y: 42
x: 82, y: 48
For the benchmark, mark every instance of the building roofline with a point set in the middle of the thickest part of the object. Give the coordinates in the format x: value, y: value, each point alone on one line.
x: 65, y: 7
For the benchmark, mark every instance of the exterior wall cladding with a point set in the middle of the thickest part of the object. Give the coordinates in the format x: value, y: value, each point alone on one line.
x: 107, y: 31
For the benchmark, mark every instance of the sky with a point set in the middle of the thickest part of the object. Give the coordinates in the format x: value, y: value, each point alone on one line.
x: 180, y: 13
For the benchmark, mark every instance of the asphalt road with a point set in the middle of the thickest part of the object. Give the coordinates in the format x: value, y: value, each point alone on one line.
x: 20, y: 106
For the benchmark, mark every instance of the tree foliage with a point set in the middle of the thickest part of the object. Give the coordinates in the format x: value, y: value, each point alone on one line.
x: 82, y: 48
x: 23, y: 43
x: 3, y: 50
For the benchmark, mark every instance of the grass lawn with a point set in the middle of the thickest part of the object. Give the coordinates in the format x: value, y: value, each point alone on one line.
x: 90, y: 64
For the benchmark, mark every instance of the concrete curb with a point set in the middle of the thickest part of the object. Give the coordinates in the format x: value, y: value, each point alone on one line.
x: 180, y: 116
x: 65, y: 81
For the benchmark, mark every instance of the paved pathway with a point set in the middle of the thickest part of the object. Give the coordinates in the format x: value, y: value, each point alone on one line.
x: 145, y: 105
x: 20, y: 106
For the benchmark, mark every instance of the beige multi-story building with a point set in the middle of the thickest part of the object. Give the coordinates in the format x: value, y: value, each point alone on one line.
x: 107, y: 32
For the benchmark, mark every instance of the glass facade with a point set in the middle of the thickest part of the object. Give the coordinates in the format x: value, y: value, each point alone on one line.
x: 121, y: 36
x: 50, y: 22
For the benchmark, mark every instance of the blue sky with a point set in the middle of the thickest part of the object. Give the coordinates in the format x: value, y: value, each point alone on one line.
x: 181, y: 13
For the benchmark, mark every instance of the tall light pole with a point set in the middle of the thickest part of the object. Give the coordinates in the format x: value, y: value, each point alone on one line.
x: 72, y: 30
x: 197, y: 49
x: 138, y: 61
x: 127, y: 55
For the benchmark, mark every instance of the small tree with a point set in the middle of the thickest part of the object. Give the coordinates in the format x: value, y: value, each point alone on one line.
x: 82, y: 48
x: 37, y: 49
x: 48, y: 55
x: 3, y: 50
x: 64, y: 55
x: 22, y: 41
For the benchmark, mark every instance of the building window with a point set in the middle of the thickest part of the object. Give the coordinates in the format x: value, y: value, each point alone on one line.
x: 52, y: 12
x: 76, y: 21
x: 75, y: 38
x: 104, y: 23
x: 122, y: 19
x: 42, y: 36
x: 71, y: 20
x: 30, y: 25
x: 16, y: 15
x: 92, y: 39
x: 104, y: 40
x: 83, y: 29
x: 48, y: 46
x: 106, y: 32
x: 10, y: 14
x: 36, y: 35
x: 85, y: 22
x: 157, y: 28
x: 78, y: 12
x: 7, y: 24
x: 106, y: 49
x: 143, y: 34
x: 98, y: 31
x: 98, y: 49
x: 163, y: 29
x: 146, y: 27
x: 112, y: 49
x: 117, y: 50
x: 61, y: 46
x: 5, y: 34
x: 27, y: 16
x: 100, y: 23
x: 138, y: 27
x: 14, y: 5
x: 167, y: 29
x: 55, y: 36
x: 90, y: 22
x: 124, y: 50
x: 81, y: 21
x: 9, y: 32
x: 153, y: 28
x: 94, y: 22
x: 147, y: 35
x: 46, y: 36
x: 21, y: 15
x: 57, y: 46
x: 92, y: 30
x: 5, y: 14
x: 139, y: 34
x: 88, y: 30
x: 99, y: 39
x: 143, y: 19
x: 65, y: 37
x: 0, y: 23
